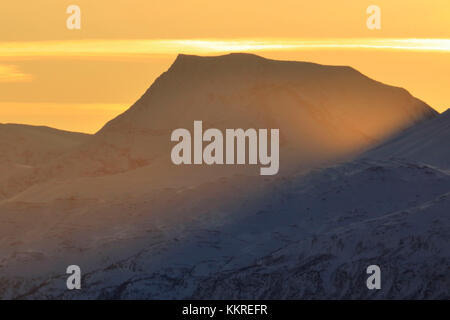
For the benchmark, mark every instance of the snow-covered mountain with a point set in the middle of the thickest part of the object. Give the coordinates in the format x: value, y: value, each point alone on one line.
x: 324, y: 113
x: 141, y: 228
x: 334, y: 107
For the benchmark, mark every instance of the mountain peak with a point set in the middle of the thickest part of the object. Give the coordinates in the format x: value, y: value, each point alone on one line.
x: 206, y: 83
x: 188, y: 61
x: 247, y: 63
x: 186, y: 58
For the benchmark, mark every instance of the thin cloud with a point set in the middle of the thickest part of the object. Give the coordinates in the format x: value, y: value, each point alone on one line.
x: 124, y: 48
x: 11, y: 73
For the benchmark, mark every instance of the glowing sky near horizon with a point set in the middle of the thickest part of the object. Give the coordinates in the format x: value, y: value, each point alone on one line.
x: 80, y: 49
x: 50, y: 75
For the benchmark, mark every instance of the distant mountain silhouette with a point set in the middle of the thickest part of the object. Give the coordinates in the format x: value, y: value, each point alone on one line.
x: 323, y: 112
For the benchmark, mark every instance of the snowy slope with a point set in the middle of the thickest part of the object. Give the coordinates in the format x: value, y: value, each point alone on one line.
x: 34, y: 145
x: 428, y: 142
x: 25, y: 147
x: 310, y: 236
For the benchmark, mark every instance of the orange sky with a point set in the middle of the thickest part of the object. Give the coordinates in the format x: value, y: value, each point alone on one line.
x: 79, y: 79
